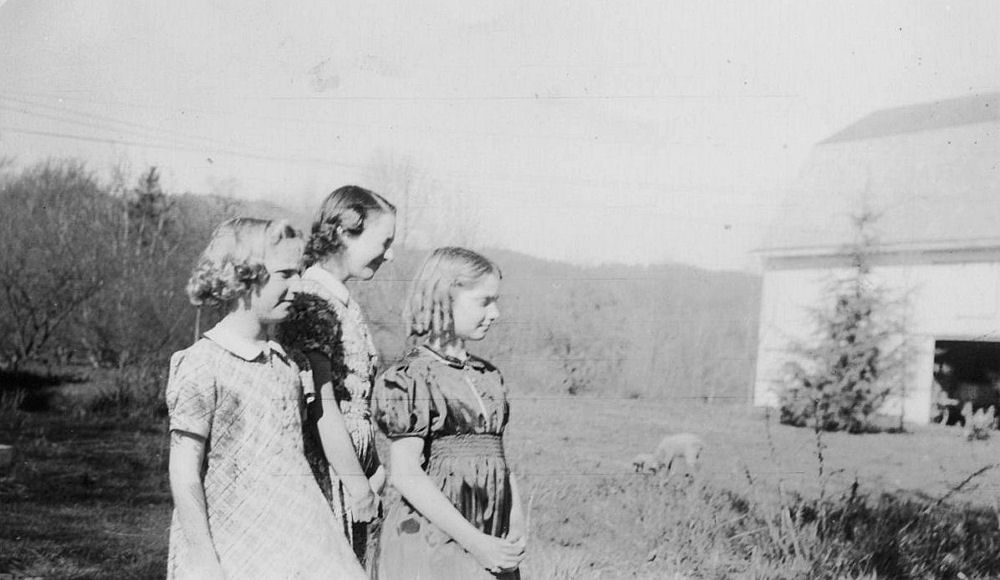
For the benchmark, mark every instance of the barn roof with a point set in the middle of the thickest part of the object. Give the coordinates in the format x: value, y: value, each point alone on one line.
x: 931, y: 171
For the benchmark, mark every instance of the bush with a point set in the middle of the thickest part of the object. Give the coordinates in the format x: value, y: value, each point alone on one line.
x: 135, y: 391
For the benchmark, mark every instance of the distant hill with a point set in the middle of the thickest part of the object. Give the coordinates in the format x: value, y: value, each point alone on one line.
x: 666, y: 330
x: 651, y: 331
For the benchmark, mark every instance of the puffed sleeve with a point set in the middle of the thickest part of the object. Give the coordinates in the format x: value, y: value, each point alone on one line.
x: 406, y: 403
x: 191, y: 392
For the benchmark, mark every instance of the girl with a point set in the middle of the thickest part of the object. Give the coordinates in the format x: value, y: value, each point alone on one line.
x: 246, y: 504
x: 444, y: 412
x: 350, y: 239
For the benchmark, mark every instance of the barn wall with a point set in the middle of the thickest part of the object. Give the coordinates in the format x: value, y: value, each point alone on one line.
x: 956, y: 300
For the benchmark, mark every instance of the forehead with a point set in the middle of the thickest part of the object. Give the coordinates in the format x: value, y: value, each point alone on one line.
x: 488, y: 285
x: 285, y: 255
x: 381, y: 225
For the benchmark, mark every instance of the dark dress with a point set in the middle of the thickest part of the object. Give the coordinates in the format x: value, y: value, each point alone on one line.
x: 460, y: 410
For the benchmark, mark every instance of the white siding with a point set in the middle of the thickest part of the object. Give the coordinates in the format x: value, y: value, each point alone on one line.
x: 947, y: 301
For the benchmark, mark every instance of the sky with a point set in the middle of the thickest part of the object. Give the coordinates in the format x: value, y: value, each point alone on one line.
x: 639, y: 132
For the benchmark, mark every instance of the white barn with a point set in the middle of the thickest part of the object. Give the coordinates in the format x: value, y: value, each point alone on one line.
x: 933, y: 173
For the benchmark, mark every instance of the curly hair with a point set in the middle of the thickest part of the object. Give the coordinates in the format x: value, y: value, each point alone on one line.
x: 347, y: 210
x: 233, y: 262
x: 428, y: 307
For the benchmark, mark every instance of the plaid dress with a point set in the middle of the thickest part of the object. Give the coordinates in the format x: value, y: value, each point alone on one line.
x: 267, y: 516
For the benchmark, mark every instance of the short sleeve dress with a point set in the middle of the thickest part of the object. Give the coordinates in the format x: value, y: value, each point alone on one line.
x: 357, y: 359
x: 267, y: 516
x: 460, y: 410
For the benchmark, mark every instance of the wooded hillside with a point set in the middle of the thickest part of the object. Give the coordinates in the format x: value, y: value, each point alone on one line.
x: 94, y: 273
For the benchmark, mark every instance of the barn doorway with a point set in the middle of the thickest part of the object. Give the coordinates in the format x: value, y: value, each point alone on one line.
x: 965, y: 371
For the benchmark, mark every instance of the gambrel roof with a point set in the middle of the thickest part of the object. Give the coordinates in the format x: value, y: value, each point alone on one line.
x: 932, y: 171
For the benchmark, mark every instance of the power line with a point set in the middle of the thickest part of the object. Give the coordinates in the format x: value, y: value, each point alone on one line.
x: 92, y: 125
x: 58, y: 135
x: 93, y: 120
x: 458, y: 179
x: 590, y: 139
x: 534, y: 97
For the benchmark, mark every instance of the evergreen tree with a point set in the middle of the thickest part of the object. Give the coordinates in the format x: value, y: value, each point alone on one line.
x: 839, y: 382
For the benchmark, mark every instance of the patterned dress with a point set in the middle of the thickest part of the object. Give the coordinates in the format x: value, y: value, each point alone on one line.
x: 267, y: 517
x: 460, y: 410
x: 353, y: 392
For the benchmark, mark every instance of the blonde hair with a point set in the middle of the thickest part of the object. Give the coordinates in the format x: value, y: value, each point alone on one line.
x: 347, y: 210
x: 233, y: 263
x: 428, y: 308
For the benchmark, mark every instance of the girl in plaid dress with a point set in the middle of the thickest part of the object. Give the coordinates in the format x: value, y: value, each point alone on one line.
x: 246, y: 503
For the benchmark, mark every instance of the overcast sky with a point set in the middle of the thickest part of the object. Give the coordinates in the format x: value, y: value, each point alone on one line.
x: 635, y: 132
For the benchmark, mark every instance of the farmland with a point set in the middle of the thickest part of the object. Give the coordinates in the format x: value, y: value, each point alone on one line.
x: 88, y: 497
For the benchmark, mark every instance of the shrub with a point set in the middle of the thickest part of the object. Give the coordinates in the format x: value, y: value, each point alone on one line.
x: 135, y: 391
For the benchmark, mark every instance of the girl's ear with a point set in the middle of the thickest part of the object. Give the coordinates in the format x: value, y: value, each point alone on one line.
x: 342, y: 238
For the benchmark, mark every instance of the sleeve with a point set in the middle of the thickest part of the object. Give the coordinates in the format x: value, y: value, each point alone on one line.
x: 309, y: 394
x: 191, y: 393
x: 406, y: 403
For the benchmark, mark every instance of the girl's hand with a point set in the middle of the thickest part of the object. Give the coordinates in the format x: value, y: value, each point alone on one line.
x: 377, y: 480
x: 517, y: 530
x: 496, y: 554
x: 364, y: 506
x: 520, y: 541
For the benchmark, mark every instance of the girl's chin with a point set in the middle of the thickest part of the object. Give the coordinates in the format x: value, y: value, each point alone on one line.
x: 278, y: 314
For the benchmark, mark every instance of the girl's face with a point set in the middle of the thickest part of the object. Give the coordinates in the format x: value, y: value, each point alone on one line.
x: 269, y: 302
x: 364, y: 254
x: 474, y: 308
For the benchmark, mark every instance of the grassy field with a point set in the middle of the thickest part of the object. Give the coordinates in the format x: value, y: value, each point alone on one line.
x: 595, y: 518
x: 88, y: 498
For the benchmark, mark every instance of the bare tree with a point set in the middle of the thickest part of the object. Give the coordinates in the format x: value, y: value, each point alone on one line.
x: 586, y: 340
x: 55, y: 238
x: 431, y: 213
x: 135, y: 318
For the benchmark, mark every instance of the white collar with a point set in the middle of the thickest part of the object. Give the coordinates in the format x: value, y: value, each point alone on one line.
x: 334, y: 285
x: 241, y: 346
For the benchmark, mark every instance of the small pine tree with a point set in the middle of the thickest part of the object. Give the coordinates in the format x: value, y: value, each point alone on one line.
x: 838, y: 383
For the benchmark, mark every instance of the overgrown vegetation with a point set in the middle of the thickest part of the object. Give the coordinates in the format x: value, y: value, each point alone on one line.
x: 92, y: 275
x: 88, y: 498
x: 839, y: 382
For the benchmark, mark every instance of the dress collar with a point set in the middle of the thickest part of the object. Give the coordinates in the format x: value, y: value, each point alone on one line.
x: 472, y: 361
x: 241, y: 346
x: 335, y: 286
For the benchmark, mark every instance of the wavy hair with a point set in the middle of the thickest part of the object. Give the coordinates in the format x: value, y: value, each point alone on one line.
x: 428, y: 307
x: 233, y: 263
x: 347, y: 210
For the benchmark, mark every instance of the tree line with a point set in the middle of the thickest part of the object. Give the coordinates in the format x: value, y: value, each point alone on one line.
x: 94, y: 272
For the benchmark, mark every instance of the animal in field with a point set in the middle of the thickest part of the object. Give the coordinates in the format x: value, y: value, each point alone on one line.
x: 672, y: 447
x: 645, y: 463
